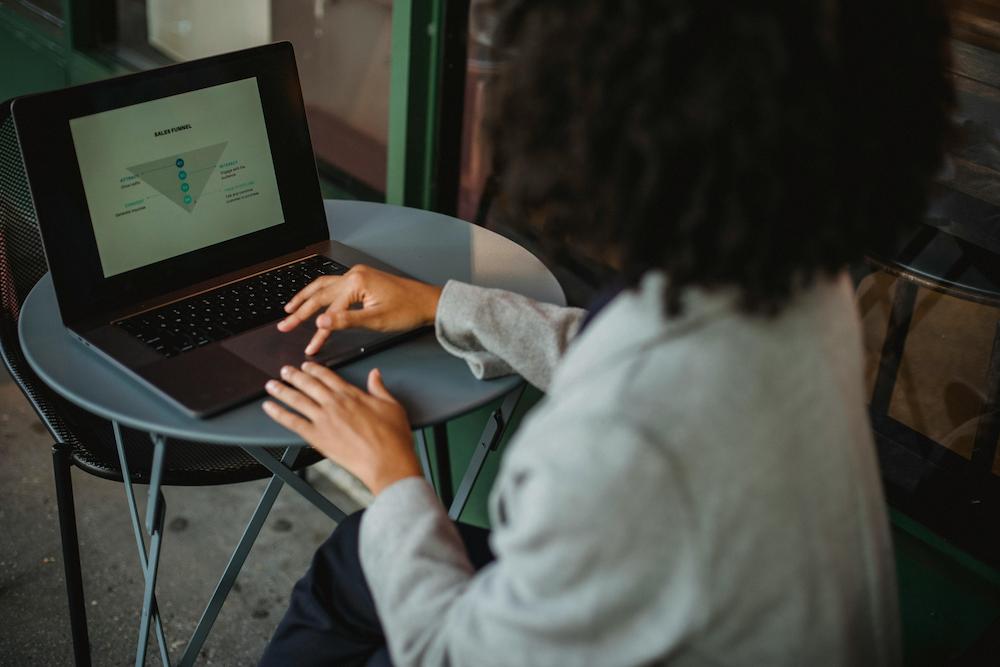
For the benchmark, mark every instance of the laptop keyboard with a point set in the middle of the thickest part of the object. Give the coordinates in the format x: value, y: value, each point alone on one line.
x: 212, y: 316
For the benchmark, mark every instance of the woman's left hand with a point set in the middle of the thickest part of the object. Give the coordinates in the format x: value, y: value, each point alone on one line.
x: 367, y: 433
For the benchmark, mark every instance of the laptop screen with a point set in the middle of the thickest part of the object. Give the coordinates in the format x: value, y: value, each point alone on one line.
x: 173, y: 175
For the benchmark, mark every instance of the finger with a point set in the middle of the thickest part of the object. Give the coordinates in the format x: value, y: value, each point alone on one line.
x: 307, y: 384
x: 292, y: 398
x: 335, y: 320
x: 317, y: 341
x: 288, y: 419
x: 329, y: 378
x: 377, y: 388
x: 305, y: 293
x: 302, y: 313
x: 343, y: 299
x: 340, y: 301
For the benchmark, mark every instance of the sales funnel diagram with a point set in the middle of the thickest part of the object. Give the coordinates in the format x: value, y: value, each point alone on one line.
x: 181, y: 177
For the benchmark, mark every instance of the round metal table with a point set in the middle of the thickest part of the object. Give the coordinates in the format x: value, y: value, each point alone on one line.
x: 433, y: 386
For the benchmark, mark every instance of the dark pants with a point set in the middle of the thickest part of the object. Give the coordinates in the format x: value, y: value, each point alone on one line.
x: 331, y: 617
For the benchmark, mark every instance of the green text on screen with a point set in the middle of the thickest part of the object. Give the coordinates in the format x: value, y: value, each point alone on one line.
x: 173, y: 175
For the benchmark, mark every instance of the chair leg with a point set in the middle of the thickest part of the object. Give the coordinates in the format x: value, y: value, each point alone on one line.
x: 900, y: 317
x: 984, y: 448
x: 62, y: 465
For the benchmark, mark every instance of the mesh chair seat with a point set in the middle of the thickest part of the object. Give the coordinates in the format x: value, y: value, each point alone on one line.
x: 185, y: 463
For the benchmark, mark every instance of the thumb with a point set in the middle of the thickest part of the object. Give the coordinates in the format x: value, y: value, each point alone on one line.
x: 376, y: 388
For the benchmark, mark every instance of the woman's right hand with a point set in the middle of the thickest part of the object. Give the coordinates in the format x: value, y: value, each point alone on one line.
x: 363, y: 297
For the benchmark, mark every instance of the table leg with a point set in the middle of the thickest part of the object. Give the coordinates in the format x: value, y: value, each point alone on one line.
x: 140, y: 541
x: 425, y: 463
x: 446, y: 490
x: 155, y: 540
x: 488, y: 442
x: 236, y: 561
x: 288, y: 475
x: 155, y: 476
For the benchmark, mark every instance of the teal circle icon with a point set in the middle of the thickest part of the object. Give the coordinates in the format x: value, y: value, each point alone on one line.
x: 182, y: 174
x: 180, y: 162
x: 185, y: 187
x: 187, y: 199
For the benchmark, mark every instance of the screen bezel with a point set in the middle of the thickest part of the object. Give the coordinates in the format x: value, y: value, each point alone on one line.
x: 42, y: 123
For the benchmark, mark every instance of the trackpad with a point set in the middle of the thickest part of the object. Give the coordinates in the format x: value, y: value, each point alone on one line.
x: 269, y: 349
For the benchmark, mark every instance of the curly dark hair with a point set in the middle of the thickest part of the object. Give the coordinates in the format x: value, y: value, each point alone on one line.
x: 748, y: 143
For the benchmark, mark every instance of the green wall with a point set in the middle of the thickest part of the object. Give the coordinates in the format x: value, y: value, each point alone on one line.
x: 28, y: 62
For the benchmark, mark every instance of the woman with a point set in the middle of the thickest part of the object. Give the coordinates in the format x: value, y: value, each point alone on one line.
x: 699, y: 485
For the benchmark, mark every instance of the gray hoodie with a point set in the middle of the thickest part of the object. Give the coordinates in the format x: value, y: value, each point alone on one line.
x: 698, y: 490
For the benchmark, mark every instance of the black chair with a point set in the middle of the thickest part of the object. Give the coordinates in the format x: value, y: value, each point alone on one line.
x: 80, y: 438
x: 958, y: 498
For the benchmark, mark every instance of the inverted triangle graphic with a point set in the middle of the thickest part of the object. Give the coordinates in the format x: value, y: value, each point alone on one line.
x: 169, y: 175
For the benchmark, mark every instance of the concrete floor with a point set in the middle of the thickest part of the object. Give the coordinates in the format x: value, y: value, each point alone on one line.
x: 204, y: 525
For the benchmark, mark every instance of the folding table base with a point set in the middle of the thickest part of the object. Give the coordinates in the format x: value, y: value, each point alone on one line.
x: 282, y: 473
x: 148, y: 562
x: 488, y: 442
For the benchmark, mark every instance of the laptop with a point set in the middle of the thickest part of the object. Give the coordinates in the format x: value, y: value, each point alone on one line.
x: 179, y: 210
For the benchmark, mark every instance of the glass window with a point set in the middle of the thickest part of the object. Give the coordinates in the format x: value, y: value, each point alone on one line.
x: 48, y: 14
x: 480, y: 78
x: 977, y: 22
x: 342, y: 51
